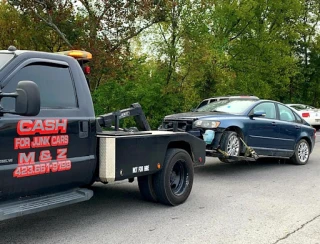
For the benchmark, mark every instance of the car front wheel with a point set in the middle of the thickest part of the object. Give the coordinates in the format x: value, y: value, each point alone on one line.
x: 301, y: 153
x: 230, y: 143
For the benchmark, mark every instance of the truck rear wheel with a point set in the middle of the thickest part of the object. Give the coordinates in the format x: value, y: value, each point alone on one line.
x: 146, y: 188
x: 173, y: 184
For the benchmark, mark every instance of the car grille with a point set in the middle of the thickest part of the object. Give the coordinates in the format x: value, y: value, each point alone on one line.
x: 177, y: 125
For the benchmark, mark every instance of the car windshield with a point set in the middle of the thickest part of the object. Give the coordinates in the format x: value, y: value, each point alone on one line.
x: 227, y: 106
x: 5, y: 58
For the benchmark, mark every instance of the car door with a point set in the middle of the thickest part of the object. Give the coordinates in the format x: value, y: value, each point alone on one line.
x: 263, y: 132
x: 289, y: 129
x: 49, y: 151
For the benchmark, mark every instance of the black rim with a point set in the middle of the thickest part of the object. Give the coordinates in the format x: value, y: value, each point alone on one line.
x: 178, y: 178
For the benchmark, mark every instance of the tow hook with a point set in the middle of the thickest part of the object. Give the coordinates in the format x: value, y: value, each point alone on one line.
x: 223, y: 152
x: 249, y: 151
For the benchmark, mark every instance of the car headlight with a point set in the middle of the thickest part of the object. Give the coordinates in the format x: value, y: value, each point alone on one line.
x: 206, y: 124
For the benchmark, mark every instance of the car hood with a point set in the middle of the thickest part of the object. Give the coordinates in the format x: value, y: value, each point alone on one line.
x: 199, y: 115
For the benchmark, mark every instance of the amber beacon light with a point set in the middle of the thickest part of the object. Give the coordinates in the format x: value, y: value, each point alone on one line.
x: 77, y: 54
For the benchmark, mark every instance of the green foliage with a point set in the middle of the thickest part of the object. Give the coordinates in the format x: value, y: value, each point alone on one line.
x: 143, y: 83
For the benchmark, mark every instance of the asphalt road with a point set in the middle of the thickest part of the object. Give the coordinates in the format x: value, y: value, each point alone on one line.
x: 265, y: 202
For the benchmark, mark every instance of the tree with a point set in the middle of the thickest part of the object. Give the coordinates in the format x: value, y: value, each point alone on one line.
x: 105, y: 26
x: 306, y: 50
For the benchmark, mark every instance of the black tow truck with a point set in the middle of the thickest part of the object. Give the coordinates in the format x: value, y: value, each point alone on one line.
x: 53, y: 147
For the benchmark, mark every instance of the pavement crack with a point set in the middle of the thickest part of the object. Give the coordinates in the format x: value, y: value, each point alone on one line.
x: 296, y: 230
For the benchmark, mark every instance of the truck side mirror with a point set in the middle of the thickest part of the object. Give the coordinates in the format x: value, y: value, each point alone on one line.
x: 27, y: 99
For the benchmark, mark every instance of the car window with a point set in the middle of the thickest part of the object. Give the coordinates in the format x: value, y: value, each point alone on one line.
x: 213, y: 100
x: 286, y: 114
x: 298, y: 118
x: 310, y: 107
x: 55, y: 84
x: 301, y: 107
x: 203, y: 103
x: 268, y: 108
x: 297, y: 107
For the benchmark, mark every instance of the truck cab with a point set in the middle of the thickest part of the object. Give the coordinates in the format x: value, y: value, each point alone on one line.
x: 62, y: 137
x: 51, y: 140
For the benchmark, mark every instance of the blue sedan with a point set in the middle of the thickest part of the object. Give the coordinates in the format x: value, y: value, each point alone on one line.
x: 238, y: 128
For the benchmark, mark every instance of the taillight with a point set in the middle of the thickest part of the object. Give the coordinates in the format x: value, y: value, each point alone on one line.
x: 305, y: 115
x: 86, y: 70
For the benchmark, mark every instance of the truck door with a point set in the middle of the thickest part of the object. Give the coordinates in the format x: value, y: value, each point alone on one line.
x: 51, y: 151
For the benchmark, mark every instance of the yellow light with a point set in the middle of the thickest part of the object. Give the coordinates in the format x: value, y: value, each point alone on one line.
x: 77, y: 54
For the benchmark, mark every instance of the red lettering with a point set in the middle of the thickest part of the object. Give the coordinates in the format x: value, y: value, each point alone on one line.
x: 42, y: 168
x: 23, y: 127
x: 21, y: 143
x: 50, y: 123
x: 39, y: 169
x: 47, y: 168
x: 45, y: 156
x: 38, y: 126
x: 23, y: 159
x: 64, y: 165
x: 43, y: 127
x: 40, y: 141
x: 62, y: 153
x: 61, y: 140
x: 61, y: 126
x: 17, y: 172
x: 54, y: 167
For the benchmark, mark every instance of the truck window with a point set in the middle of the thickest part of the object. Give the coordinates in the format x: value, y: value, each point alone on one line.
x: 55, y: 84
x: 5, y: 58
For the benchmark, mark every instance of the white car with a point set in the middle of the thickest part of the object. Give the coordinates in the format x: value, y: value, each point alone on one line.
x: 308, y: 113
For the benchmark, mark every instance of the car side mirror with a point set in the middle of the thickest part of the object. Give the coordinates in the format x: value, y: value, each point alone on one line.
x: 258, y: 114
x: 27, y: 98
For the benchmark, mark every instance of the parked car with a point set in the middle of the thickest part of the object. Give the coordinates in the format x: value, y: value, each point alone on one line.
x: 270, y: 128
x: 308, y: 113
x: 215, y: 99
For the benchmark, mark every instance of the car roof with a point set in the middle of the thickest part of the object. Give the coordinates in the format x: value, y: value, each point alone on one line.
x: 229, y: 96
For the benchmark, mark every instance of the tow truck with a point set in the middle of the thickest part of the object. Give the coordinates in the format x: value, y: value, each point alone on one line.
x: 54, y: 147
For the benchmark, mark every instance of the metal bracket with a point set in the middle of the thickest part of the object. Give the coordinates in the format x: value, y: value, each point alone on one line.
x: 135, y: 111
x: 249, y: 154
x: 225, y: 154
x: 249, y: 151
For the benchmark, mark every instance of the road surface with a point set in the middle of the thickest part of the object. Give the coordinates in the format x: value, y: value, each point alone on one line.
x: 265, y: 202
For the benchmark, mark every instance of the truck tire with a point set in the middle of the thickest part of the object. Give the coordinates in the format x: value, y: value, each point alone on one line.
x: 146, y: 188
x: 173, y: 183
x: 301, y: 153
x: 231, y: 144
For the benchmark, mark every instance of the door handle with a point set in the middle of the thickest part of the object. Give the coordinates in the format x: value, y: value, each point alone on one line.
x: 83, y: 129
x: 274, y: 123
x: 298, y: 127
